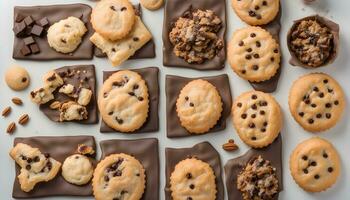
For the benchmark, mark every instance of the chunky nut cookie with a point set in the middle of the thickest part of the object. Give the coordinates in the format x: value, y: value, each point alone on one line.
x: 311, y: 42
x: 257, y: 12
x: 66, y: 35
x: 152, y: 4
x: 257, y: 118
x: 77, y: 169
x: 17, y: 78
x: 41, y: 95
x: 119, y: 176
x: 258, y: 180
x: 35, y: 166
x: 315, y: 165
x: 316, y: 102
x: 113, y: 19
x: 194, y: 36
x: 199, y: 106
x: 253, y: 54
x: 71, y: 110
x: 193, y: 179
x: 120, y: 50
x: 123, y: 101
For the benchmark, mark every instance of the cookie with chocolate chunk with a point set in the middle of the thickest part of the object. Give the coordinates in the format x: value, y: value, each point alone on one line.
x: 257, y: 118
x: 254, y: 54
x: 316, y: 101
x: 199, y: 106
x: 313, y: 42
x: 123, y: 101
x: 315, y: 165
x: 256, y: 12
x: 17, y: 78
x: 77, y: 169
x: 119, y: 175
x: 192, y: 179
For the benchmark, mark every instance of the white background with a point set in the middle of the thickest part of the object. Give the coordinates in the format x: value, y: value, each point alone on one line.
x: 337, y: 10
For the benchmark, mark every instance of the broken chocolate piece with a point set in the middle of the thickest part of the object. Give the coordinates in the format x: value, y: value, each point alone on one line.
x: 28, y: 20
x: 37, y: 30
x: 20, y: 29
x: 29, y: 40
x: 25, y: 50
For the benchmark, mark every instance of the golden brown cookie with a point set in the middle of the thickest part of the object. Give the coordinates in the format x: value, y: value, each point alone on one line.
x: 17, y: 78
x: 152, y: 4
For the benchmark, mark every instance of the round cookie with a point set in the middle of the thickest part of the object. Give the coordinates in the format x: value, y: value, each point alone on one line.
x: 257, y: 12
x: 17, y: 78
x: 193, y: 179
x: 66, y: 35
x: 199, y: 106
x: 316, y: 102
x: 253, y: 54
x: 257, y: 118
x: 119, y: 176
x: 77, y: 169
x: 315, y: 165
x: 123, y: 101
x: 113, y: 19
x: 152, y: 4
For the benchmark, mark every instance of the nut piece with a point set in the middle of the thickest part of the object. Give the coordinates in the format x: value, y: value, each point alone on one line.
x: 55, y: 105
x: 11, y: 128
x: 6, y: 111
x: 17, y: 101
x: 84, y: 96
x: 85, y: 149
x: 72, y: 111
x: 23, y: 119
x: 230, y: 145
x: 41, y: 95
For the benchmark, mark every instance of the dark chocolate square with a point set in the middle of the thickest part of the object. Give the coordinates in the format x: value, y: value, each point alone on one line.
x: 29, y: 20
x: 34, y: 48
x: 270, y: 85
x: 43, y: 22
x: 55, y: 13
x: 37, y: 30
x: 147, y: 51
x: 173, y: 86
x: 59, y: 148
x: 175, y: 9
x: 19, y: 29
x: 203, y: 151
x: 150, y: 75
x: 91, y: 83
x: 25, y: 50
x: 28, y: 40
x: 144, y: 150
x: 233, y: 167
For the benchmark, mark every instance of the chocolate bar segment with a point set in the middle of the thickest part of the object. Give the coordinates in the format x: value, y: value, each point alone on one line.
x: 87, y: 76
x: 175, y: 9
x: 233, y: 167
x: 59, y: 149
x: 203, y: 151
x: 150, y: 75
x: 173, y: 86
x: 144, y: 150
x: 42, y: 16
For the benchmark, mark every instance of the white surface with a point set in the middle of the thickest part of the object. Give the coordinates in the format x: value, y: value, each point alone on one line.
x: 39, y: 125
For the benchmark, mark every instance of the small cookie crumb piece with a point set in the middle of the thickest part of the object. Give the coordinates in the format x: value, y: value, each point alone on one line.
x: 53, y: 80
x: 258, y: 180
x: 41, y: 95
x: 195, y: 36
x: 70, y: 111
x: 68, y: 89
x: 85, y: 149
x: 84, y: 96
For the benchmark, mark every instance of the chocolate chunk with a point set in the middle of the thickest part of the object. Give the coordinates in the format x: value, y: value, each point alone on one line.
x: 37, y: 30
x: 25, y: 50
x: 28, y: 20
x: 34, y: 48
x: 29, y: 40
x: 43, y: 22
x: 20, y: 29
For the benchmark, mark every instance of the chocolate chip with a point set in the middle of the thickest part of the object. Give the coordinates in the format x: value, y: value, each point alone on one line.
x: 255, y: 67
x: 265, y: 124
x: 307, y: 101
x: 313, y: 105
x: 336, y: 102
x: 63, y: 41
x: 252, y: 13
x: 301, y: 114
x: 319, y: 115
x: 113, y: 50
x: 36, y: 159
x: 186, y: 98
x: 262, y: 112
x: 120, y: 121
x: 328, y: 115
x: 328, y: 105
x: 263, y: 130
x: 123, y: 9
x: 330, y: 90
x: 191, y: 104
x: 191, y: 186
x: 315, y: 89
x: 264, y: 3
x: 258, y: 44
x: 325, y: 81
x: 239, y: 104
x: 254, y: 96
x: 254, y: 107
x: 131, y: 93
x: 311, y: 121
x: 117, y: 173
x: 305, y: 171
x: 243, y: 116
x: 106, y: 178
x: 275, y: 51
x: 313, y: 163
x: 330, y: 169
x: 189, y: 198
x: 28, y: 167
x: 112, y: 8
x: 263, y: 103
x: 253, y: 138
x: 248, y: 57
x: 241, y: 43
x: 304, y: 157
x: 272, y: 59
x: 253, y: 116
x: 325, y: 155
x: 317, y: 176
x: 110, y: 113
x: 243, y: 71
x: 47, y: 155
x: 321, y: 95
x: 140, y: 98
x: 188, y: 175
x: 136, y: 87
x: 24, y: 158
x: 29, y: 160
x: 24, y: 79
x: 135, y: 39
x: 252, y: 35
x: 251, y: 125
x: 258, y: 16
x: 256, y: 7
x: 249, y: 50
x: 256, y: 55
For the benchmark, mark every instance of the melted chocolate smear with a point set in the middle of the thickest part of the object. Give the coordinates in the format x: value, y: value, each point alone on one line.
x: 334, y: 28
x: 55, y: 13
x: 54, y: 115
x: 175, y: 9
x: 233, y: 167
x: 173, y: 86
x: 147, y: 51
x: 203, y: 151
x: 150, y: 75
x: 144, y: 150
x: 270, y: 85
x: 59, y: 149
